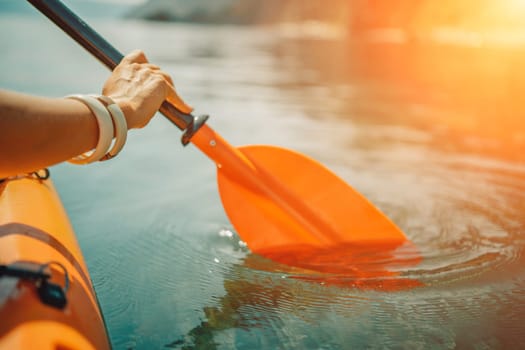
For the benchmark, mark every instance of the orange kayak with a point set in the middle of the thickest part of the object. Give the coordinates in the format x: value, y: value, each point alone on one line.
x: 47, y: 300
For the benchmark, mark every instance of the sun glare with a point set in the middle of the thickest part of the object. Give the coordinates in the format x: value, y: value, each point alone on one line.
x: 515, y: 4
x: 507, y: 14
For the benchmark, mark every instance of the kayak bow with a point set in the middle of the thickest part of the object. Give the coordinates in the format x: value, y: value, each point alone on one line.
x: 36, y: 237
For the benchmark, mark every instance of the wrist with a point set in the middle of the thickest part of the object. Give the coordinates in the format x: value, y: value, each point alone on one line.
x: 128, y: 109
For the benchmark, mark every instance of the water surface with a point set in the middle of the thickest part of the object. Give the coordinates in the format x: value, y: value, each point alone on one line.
x: 432, y: 134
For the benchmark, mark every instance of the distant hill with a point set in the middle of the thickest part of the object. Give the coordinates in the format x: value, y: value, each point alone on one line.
x: 411, y: 16
x: 241, y: 11
x: 203, y: 11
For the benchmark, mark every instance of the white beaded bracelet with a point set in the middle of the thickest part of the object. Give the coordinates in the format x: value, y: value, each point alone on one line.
x: 105, y: 130
x: 119, y: 123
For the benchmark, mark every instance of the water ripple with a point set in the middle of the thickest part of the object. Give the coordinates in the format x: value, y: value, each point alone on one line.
x: 394, y: 134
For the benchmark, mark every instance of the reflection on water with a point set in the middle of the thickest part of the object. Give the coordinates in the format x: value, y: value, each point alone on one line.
x: 465, y: 99
x: 431, y: 134
x: 367, y: 267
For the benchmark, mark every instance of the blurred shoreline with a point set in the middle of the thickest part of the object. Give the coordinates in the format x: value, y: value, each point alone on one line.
x: 467, y: 22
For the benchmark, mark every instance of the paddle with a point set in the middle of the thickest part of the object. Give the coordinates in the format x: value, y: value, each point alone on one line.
x: 276, y: 199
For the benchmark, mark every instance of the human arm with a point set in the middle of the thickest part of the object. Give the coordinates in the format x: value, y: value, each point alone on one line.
x: 37, y: 132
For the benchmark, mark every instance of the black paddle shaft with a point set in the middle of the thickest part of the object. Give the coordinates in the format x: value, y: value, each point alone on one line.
x: 88, y: 38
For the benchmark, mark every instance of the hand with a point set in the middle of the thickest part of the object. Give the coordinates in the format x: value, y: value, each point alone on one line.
x: 139, y: 88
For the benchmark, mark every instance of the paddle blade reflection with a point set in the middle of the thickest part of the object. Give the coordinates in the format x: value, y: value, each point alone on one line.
x: 372, y: 266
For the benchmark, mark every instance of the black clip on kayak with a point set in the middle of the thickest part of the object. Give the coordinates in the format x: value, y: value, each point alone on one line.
x: 49, y: 293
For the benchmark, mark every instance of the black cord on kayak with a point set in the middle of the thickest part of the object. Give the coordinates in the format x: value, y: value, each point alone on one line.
x: 50, y: 293
x: 25, y: 273
x: 53, y: 294
x: 62, y: 267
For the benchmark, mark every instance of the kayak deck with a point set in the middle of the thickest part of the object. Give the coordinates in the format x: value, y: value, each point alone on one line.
x: 34, y: 231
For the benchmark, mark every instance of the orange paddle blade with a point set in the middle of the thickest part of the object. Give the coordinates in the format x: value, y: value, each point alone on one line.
x: 279, y: 198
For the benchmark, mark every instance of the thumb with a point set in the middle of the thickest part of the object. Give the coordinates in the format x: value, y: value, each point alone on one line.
x: 175, y: 100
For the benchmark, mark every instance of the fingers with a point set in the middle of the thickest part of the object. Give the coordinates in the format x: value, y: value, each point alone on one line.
x: 166, y: 77
x: 147, y: 66
x: 135, y: 56
x: 151, y: 66
x: 135, y: 64
x: 149, y: 70
x: 145, y: 69
x: 175, y: 100
x: 138, y: 62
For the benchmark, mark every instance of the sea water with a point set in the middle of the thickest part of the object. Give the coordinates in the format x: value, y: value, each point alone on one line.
x: 429, y: 132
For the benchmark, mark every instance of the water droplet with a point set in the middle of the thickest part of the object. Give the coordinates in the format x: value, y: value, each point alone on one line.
x: 226, y: 233
x: 216, y: 260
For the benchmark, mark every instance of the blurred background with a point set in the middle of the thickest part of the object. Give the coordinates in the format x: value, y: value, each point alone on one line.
x: 463, y: 57
x: 416, y: 103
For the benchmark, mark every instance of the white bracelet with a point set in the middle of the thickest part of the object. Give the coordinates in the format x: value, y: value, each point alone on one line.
x: 105, y: 130
x: 119, y: 123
